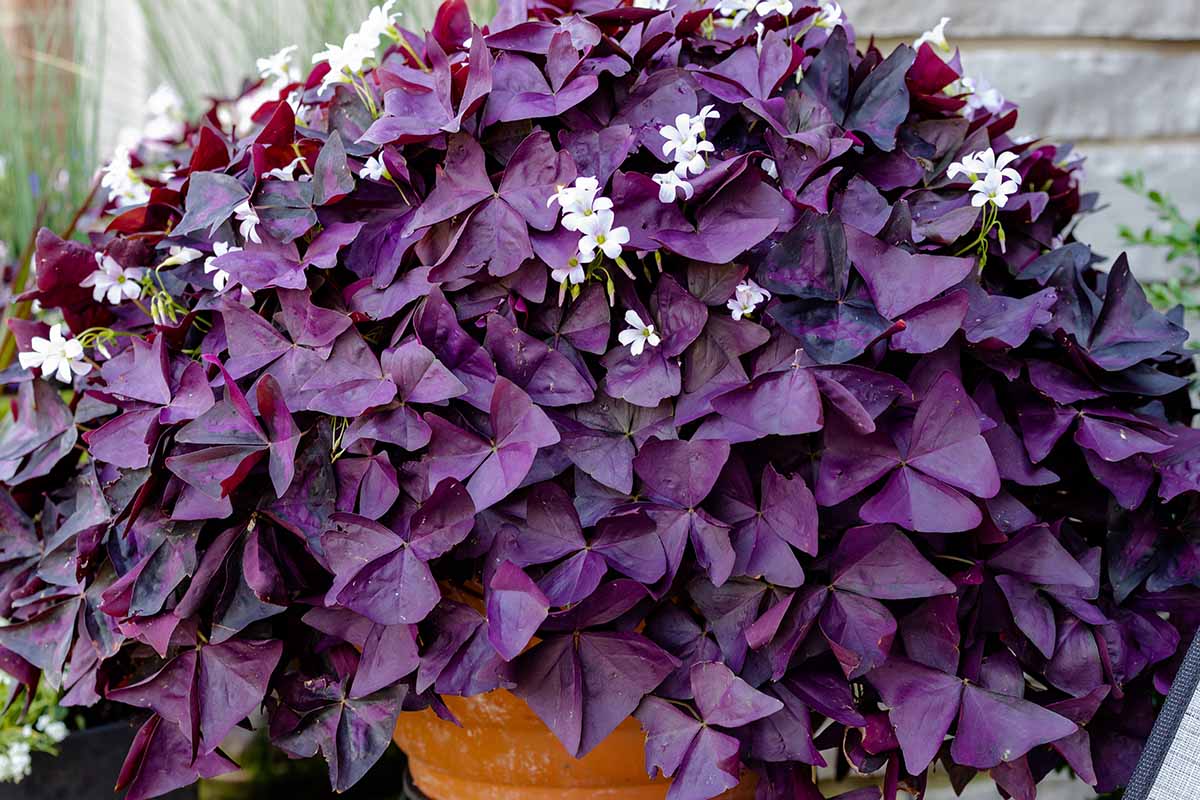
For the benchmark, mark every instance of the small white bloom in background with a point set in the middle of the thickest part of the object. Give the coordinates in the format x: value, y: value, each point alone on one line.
x: 935, y: 38
x: 600, y: 234
x: 761, y: 30
x: 165, y: 114
x: 670, y: 184
x: 113, y: 282
x: 470, y: 40
x: 177, y: 255
x: 769, y: 167
x: 248, y: 218
x: 220, y: 277
x: 746, y: 298
x: 347, y: 60
x: 3, y: 167
x: 123, y: 184
x: 288, y: 173
x: 4, y: 252
x: 379, y: 22
x: 830, y: 16
x: 579, y: 202
x: 993, y: 188
x: 374, y: 170
x: 981, y: 94
x: 768, y: 7
x: 57, y: 356
x: 657, y: 5
x: 55, y: 730
x: 638, y: 334
x: 734, y: 12
x: 690, y: 159
x: 277, y: 69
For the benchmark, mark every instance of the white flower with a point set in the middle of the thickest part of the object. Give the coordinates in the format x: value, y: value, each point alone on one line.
x: 935, y: 37
x: 768, y: 7
x: 114, y: 282
x: 638, y: 334
x: 690, y: 159
x: 669, y: 184
x: 572, y: 273
x: 4, y: 252
x: 599, y: 234
x: 378, y: 22
x: 122, y: 183
x: 3, y: 167
x: 165, y: 114
x: 746, y: 298
x: 579, y: 202
x: 57, y: 356
x: 994, y: 188
x: 55, y: 730
x: 288, y: 173
x: 735, y: 11
x: 657, y: 5
x: 981, y: 94
x: 769, y: 167
x: 830, y: 16
x: 246, y: 214
x: 983, y: 162
x: 761, y: 30
x: 700, y: 120
x: 220, y: 277
x: 374, y: 169
x: 678, y: 135
x: 347, y: 60
x: 177, y: 255
x: 277, y: 69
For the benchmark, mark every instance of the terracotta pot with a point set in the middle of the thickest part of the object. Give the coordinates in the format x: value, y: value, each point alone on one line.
x: 504, y: 752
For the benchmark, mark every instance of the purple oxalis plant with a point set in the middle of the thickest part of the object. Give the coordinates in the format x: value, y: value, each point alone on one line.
x: 680, y: 361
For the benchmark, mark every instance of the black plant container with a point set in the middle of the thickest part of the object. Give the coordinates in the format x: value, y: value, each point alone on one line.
x: 85, y: 769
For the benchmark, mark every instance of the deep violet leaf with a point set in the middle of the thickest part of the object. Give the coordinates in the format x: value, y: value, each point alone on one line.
x: 583, y: 686
x: 726, y: 700
x: 160, y: 761
x: 331, y: 173
x: 211, y: 198
x: 515, y: 609
x: 881, y: 102
x: 492, y: 469
x: 703, y: 761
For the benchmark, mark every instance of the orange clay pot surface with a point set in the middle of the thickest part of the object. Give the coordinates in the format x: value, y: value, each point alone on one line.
x: 504, y: 752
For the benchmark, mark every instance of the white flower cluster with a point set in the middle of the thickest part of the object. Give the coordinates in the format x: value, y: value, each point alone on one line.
x: 592, y: 217
x: 347, y: 60
x: 123, y: 184
x: 55, y: 729
x: 734, y: 12
x: 746, y: 298
x: 277, y: 70
x: 993, y: 180
x: 686, y: 143
x: 16, y: 761
x: 166, y: 116
x: 57, y: 356
x: 981, y: 94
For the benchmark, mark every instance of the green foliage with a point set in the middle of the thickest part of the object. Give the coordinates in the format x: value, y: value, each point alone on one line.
x: 217, y: 64
x: 38, y: 729
x: 1176, y: 234
x: 48, y: 112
